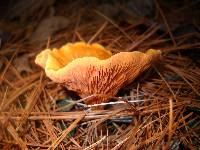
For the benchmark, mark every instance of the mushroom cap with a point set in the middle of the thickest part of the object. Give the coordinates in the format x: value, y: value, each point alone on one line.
x: 91, y: 69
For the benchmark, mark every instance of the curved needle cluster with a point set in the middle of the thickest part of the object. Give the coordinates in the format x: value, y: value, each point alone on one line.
x: 91, y: 69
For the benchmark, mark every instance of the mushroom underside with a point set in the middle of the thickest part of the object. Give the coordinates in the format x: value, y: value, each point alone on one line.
x: 101, y: 77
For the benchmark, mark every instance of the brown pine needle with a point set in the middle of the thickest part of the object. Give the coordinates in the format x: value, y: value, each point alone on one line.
x: 142, y: 38
x: 165, y: 82
x: 170, y: 120
x: 65, y: 133
x: 31, y: 103
x: 15, y: 135
x: 114, y: 24
x: 166, y: 23
x: 97, y: 33
x: 95, y: 144
x: 18, y: 93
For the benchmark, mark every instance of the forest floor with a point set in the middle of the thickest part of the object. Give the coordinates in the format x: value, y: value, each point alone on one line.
x: 161, y: 108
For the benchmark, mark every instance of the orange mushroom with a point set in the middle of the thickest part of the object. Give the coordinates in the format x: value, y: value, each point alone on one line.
x: 91, y: 69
